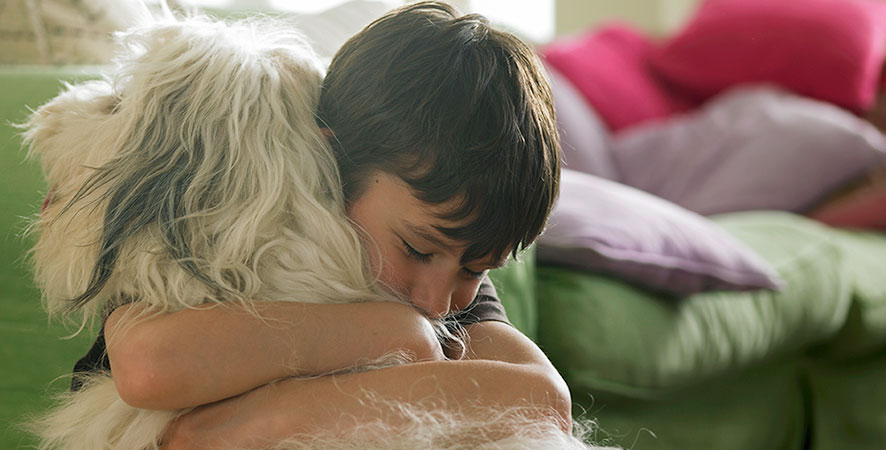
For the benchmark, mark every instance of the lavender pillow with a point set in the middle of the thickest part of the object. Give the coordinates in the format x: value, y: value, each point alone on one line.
x: 751, y: 148
x: 584, y: 138
x: 607, y: 227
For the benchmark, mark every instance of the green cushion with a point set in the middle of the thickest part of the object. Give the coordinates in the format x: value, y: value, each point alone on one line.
x: 761, y: 408
x: 515, y: 285
x: 848, y: 403
x: 864, y: 254
x: 605, y: 335
x: 33, y: 352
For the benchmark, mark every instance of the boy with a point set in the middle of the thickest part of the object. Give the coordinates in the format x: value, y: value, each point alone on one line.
x: 444, y: 132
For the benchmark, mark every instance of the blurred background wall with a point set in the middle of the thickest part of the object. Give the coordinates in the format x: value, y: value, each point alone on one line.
x: 655, y: 16
x: 537, y: 20
x: 78, y: 31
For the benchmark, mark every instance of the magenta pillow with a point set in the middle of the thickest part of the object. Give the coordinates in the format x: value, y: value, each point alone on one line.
x: 832, y: 50
x: 750, y: 148
x: 607, y: 227
x: 609, y: 67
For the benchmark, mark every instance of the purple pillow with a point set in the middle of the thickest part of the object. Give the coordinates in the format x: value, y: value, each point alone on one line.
x: 607, y: 227
x: 584, y: 138
x: 751, y: 148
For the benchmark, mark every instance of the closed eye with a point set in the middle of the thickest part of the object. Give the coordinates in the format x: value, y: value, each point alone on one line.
x: 472, y: 274
x: 413, y: 253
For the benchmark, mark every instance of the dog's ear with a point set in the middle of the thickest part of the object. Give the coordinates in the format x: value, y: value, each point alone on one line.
x: 66, y: 133
x: 71, y: 135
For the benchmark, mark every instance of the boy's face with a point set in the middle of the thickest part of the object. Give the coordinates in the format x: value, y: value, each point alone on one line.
x: 412, y: 258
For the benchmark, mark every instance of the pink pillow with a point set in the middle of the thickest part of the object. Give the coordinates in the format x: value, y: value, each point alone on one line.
x: 865, y: 208
x: 832, y: 50
x: 609, y: 67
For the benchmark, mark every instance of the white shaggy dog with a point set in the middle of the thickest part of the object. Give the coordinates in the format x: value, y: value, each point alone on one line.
x: 196, y: 173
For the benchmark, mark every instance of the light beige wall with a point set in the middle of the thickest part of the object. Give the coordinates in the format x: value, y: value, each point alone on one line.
x: 655, y: 16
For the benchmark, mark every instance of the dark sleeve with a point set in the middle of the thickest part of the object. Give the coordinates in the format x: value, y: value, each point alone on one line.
x: 96, y: 359
x: 485, y: 307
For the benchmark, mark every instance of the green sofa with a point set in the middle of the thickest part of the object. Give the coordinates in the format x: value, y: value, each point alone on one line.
x: 804, y: 368
x: 33, y: 352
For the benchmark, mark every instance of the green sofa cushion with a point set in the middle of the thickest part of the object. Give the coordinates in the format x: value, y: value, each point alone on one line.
x: 847, y: 403
x: 864, y: 333
x: 515, y: 285
x: 605, y: 335
x: 761, y: 408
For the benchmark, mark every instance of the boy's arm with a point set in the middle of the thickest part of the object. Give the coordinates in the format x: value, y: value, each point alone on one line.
x: 504, y: 368
x: 176, y: 360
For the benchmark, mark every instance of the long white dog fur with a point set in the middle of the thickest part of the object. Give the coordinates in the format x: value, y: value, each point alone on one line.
x: 196, y: 173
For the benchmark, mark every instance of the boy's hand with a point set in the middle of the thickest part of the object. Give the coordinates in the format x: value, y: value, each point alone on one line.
x: 238, y: 422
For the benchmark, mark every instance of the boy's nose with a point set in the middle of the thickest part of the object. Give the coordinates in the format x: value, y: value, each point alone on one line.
x: 433, y: 294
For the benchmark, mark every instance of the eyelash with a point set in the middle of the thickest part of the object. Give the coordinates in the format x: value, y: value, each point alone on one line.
x: 424, y: 257
x: 421, y: 257
x: 472, y: 274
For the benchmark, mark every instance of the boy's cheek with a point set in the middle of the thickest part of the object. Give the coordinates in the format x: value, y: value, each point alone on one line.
x: 390, y: 274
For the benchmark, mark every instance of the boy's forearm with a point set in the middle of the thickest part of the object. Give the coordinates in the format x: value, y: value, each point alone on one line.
x: 503, y: 368
x: 508, y: 371
x: 194, y: 357
x: 472, y: 389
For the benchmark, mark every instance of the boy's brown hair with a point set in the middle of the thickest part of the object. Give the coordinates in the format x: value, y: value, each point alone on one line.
x: 458, y: 110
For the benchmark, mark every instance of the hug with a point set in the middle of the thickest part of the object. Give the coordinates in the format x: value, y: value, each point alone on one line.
x: 283, y: 260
